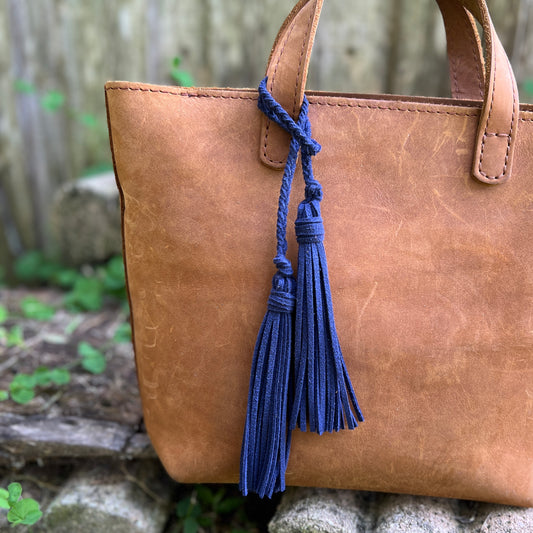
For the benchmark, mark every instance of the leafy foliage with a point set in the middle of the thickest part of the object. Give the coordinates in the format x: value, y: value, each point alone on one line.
x: 3, y: 314
x: 206, y: 508
x: 86, y: 295
x: 11, y: 337
x: 52, y: 101
x: 33, y: 308
x: 86, y: 292
x: 20, y: 511
x: 181, y: 77
x: 122, y: 333
x: 92, y: 360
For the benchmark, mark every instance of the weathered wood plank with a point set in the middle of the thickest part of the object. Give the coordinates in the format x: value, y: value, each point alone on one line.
x: 73, y: 47
x: 37, y: 437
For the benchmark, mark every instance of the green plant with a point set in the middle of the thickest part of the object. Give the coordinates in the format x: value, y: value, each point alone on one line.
x: 24, y: 511
x: 122, y: 333
x: 92, y: 360
x: 204, y: 508
x: 33, y: 308
x: 85, y: 292
x: 22, y: 388
x: 3, y: 314
x: 54, y: 100
x: 11, y: 337
x: 181, y: 77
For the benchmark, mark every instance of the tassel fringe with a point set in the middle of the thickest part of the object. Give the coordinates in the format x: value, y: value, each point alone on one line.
x: 266, y: 442
x: 324, y: 397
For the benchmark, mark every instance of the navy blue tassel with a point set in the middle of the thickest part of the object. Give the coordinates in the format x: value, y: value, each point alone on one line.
x: 322, y: 396
x: 266, y: 442
x: 267, y: 438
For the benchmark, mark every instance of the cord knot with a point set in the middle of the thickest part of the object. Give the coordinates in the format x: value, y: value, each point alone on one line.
x: 313, y: 191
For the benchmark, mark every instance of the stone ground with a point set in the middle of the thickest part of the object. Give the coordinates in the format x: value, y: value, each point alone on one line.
x: 82, y: 452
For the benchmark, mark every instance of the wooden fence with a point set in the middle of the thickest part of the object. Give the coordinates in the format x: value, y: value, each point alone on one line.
x: 55, y: 56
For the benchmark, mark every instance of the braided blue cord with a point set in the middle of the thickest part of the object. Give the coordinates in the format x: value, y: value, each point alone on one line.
x: 300, y: 133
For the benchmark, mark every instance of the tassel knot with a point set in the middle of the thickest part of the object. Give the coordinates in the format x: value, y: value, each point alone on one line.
x: 309, y: 230
x: 282, y: 297
x: 313, y: 191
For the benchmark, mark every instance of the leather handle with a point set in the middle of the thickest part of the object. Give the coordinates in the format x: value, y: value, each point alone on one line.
x: 494, y: 145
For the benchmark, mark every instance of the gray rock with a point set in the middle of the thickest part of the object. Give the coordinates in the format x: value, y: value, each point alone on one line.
x: 103, y: 499
x: 505, y: 519
x: 304, y: 510
x: 86, y: 219
x: 329, y: 511
x: 414, y: 514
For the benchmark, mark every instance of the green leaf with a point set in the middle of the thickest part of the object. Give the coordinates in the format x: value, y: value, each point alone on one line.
x: 182, y: 507
x: 205, y: 494
x: 92, y: 359
x: 33, y: 308
x: 4, y: 496
x: 3, y: 314
x: 99, y: 168
x: 88, y: 120
x: 22, y: 387
x: 229, y: 505
x: 115, y: 278
x: 4, y: 395
x: 23, y: 86
x: 190, y: 525
x: 86, y: 295
x: 65, y: 278
x: 527, y: 87
x: 182, y: 78
x: 218, y: 497
x: 176, y: 62
x: 94, y: 365
x: 14, y: 491
x: 42, y: 376
x: 52, y: 100
x: 60, y: 376
x: 22, y: 396
x: 25, y: 512
x: 122, y: 333
x: 205, y: 521
x: 26, y: 381
x: 87, y: 350
x: 28, y: 265
x: 15, y: 336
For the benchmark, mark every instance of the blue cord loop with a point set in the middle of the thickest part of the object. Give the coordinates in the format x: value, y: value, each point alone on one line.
x: 301, y: 140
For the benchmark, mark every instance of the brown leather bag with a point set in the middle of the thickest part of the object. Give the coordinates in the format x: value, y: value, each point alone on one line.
x: 428, y: 207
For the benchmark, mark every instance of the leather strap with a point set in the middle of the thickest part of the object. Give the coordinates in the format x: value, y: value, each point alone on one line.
x: 493, y: 150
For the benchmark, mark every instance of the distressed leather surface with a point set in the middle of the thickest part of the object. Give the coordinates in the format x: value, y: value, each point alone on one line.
x: 431, y: 278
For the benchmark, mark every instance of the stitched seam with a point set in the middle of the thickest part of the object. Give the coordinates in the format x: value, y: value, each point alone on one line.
x: 454, y: 72
x: 469, y: 31
x: 329, y: 104
x: 308, y: 29
x: 482, y: 153
x: 267, y: 128
x: 486, y: 134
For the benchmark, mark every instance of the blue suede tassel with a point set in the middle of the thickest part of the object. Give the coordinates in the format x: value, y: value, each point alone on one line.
x: 322, y: 397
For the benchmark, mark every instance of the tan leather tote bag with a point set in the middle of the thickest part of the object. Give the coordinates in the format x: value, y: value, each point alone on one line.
x: 428, y: 210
